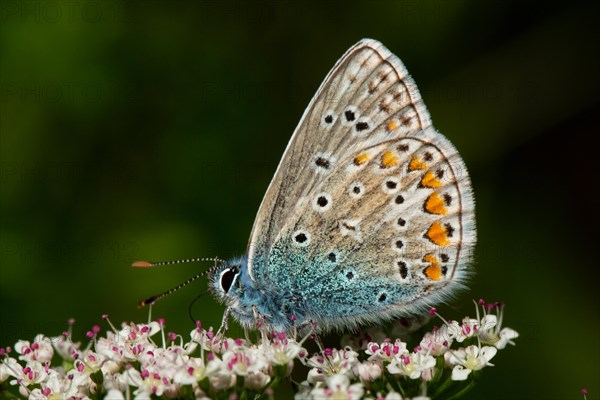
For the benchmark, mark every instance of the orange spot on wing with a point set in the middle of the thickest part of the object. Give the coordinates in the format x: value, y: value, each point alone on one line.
x: 430, y: 180
x: 438, y: 234
x: 416, y: 163
x: 389, y: 159
x: 361, y: 158
x: 392, y: 125
x: 433, y: 272
x: 430, y: 258
x: 435, y: 205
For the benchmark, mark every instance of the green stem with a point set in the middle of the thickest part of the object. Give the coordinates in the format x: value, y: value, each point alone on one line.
x: 463, y: 391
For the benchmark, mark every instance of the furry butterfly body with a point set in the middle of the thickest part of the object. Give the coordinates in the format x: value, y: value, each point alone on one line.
x: 369, y: 216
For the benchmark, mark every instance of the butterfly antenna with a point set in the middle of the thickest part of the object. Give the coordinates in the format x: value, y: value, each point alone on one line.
x: 149, y: 264
x: 153, y: 299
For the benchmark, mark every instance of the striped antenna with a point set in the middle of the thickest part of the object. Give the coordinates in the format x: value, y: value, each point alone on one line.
x: 149, y: 264
x: 153, y: 299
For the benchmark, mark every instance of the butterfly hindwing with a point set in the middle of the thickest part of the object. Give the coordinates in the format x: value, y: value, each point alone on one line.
x: 383, y: 234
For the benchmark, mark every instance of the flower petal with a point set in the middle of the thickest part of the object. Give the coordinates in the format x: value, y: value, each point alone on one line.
x: 460, y: 373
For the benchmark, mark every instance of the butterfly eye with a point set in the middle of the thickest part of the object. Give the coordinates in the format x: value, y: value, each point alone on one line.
x: 228, y: 277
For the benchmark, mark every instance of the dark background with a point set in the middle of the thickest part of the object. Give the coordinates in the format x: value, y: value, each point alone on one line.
x: 151, y: 129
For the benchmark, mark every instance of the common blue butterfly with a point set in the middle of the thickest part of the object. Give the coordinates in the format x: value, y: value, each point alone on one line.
x: 370, y: 214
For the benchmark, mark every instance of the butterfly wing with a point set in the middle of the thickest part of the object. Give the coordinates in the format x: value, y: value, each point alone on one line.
x: 333, y: 210
x: 315, y: 136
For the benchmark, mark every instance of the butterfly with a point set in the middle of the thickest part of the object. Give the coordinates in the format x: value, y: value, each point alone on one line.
x: 369, y: 216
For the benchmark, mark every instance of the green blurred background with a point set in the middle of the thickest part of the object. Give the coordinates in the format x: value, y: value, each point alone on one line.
x: 151, y: 129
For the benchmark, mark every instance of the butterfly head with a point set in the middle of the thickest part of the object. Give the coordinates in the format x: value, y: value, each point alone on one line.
x: 228, y: 280
x: 246, y: 300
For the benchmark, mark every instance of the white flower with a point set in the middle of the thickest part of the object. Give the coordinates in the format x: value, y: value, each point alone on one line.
x: 135, y: 333
x: 89, y: 362
x: 200, y: 336
x: 147, y: 382
x: 40, y: 350
x: 506, y: 337
x: 195, y: 370
x: 256, y: 380
x: 411, y: 365
x: 33, y: 373
x: 123, y: 347
x: 369, y: 371
x: 338, y: 388
x: 167, y: 361
x: 37, y: 394
x: 470, y: 359
x: 133, y: 366
x: 491, y: 329
x: 57, y: 386
x: 282, y: 351
x: 334, y: 362
x: 114, y: 394
x: 467, y: 329
x: 436, y: 343
x: 244, y: 361
x: 9, y: 367
x: 65, y: 347
x: 393, y: 396
x: 489, y: 321
x: 130, y: 343
x: 218, y: 344
x: 115, y: 381
x: 108, y: 347
x: 386, y: 351
x: 222, y: 379
x: 304, y: 390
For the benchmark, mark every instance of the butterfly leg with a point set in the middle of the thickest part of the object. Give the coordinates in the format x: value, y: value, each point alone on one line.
x: 311, y: 329
x: 326, y: 356
x: 260, y: 319
x: 312, y: 333
x: 224, y: 323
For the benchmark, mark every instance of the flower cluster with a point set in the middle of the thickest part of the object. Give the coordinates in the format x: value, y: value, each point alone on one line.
x: 131, y: 363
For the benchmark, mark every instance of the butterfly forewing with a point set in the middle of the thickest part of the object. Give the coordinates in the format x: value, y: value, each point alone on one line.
x: 323, y: 137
